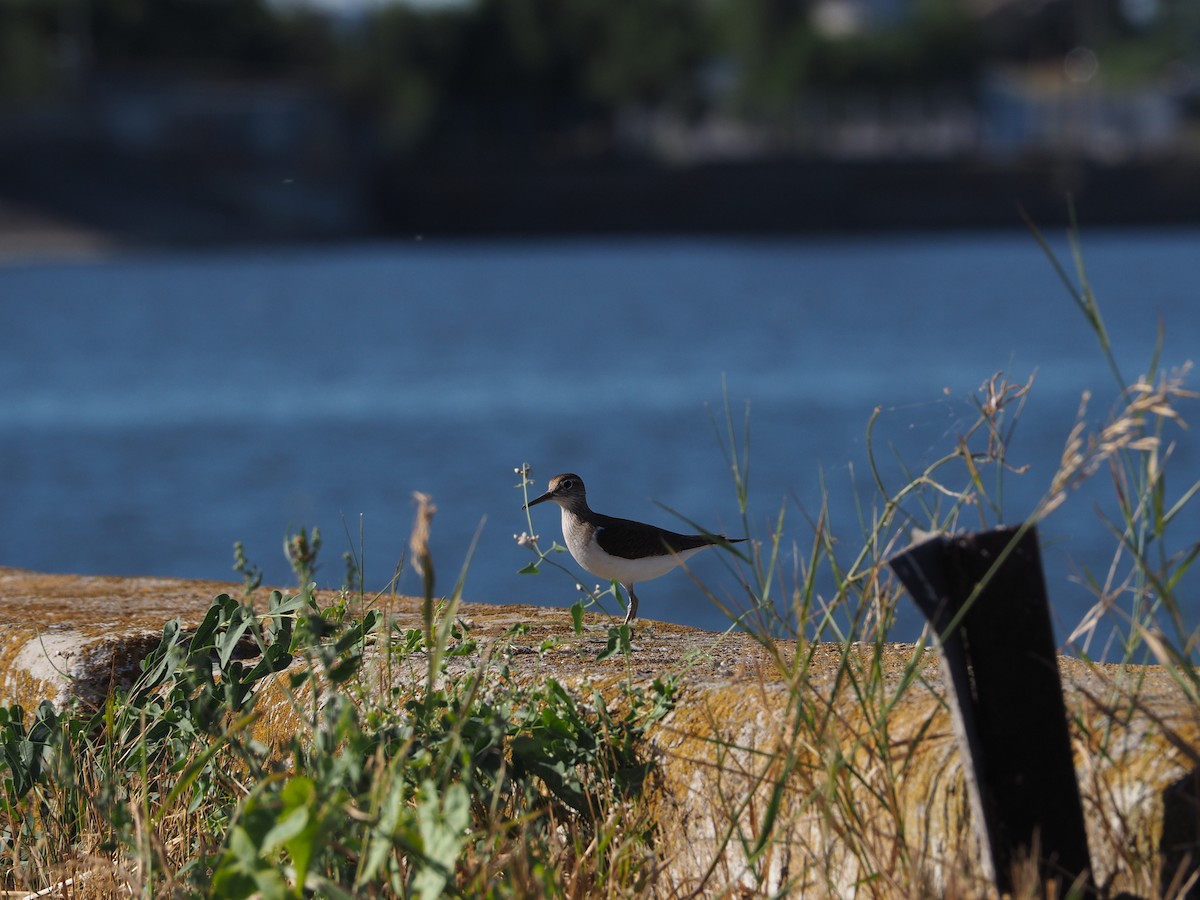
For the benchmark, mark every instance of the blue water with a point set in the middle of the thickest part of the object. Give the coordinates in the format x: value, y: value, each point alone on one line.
x: 154, y: 409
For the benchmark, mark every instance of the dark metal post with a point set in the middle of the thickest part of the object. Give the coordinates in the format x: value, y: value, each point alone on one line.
x: 985, y: 596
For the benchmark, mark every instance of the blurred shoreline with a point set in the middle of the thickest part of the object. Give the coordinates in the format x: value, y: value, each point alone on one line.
x: 90, y: 205
x: 789, y: 197
x: 29, y: 236
x: 251, y: 122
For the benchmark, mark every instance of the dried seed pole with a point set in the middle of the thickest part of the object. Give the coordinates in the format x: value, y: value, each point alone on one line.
x: 985, y: 596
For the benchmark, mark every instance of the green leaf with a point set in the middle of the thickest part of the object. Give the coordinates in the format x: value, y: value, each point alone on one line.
x: 232, y: 880
x: 531, y: 569
x: 394, y: 813
x: 242, y: 872
x: 276, y: 659
x: 299, y: 828
x: 443, y: 830
x: 344, y: 669
x: 1182, y: 568
x: 577, y: 616
x: 618, y: 642
x: 288, y: 827
x: 203, y: 635
x: 164, y: 659
x: 240, y: 619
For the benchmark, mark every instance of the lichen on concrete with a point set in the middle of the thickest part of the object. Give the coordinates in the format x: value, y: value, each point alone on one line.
x: 815, y: 769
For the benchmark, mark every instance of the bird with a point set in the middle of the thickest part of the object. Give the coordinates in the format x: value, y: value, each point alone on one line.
x: 623, y: 550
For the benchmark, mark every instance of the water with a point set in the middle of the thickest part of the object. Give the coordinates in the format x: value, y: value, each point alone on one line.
x: 157, y: 408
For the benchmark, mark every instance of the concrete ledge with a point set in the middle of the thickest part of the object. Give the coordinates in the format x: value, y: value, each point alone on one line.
x: 65, y: 637
x: 829, y: 783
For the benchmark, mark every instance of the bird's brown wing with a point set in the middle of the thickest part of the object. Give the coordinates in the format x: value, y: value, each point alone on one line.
x: 630, y: 540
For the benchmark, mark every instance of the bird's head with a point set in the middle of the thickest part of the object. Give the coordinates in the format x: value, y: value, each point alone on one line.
x: 566, y: 490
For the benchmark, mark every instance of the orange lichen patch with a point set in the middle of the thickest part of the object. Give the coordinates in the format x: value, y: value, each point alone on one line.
x: 857, y: 801
x: 1136, y: 740
x: 64, y: 636
x: 770, y: 790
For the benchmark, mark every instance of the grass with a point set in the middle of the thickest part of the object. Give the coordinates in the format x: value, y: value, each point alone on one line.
x: 420, y: 765
x: 392, y: 783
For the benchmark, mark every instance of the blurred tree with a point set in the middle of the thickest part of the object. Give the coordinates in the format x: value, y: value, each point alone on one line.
x: 44, y: 43
x: 29, y: 45
x: 1020, y: 33
x: 646, y: 53
x: 939, y: 43
x: 780, y: 52
x: 550, y: 78
x: 394, y: 65
x: 771, y: 44
x: 242, y: 36
x: 309, y: 39
x: 520, y: 76
x: 1141, y: 42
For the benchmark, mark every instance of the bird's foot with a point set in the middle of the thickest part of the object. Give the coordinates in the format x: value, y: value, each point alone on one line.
x: 631, y: 610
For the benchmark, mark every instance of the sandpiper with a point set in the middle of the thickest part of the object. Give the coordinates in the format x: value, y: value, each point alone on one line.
x: 619, y: 549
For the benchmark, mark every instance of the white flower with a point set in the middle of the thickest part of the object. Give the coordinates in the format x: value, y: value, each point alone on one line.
x: 525, y: 540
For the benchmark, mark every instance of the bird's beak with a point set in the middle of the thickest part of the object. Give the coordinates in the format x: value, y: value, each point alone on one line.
x: 546, y: 496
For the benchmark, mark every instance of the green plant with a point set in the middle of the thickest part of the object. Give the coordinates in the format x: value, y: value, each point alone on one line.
x: 252, y: 575
x: 301, y: 550
x: 411, y: 764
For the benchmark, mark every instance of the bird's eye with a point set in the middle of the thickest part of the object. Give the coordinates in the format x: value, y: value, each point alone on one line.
x: 566, y: 484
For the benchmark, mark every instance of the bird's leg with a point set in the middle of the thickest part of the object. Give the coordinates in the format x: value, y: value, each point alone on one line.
x: 631, y: 611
